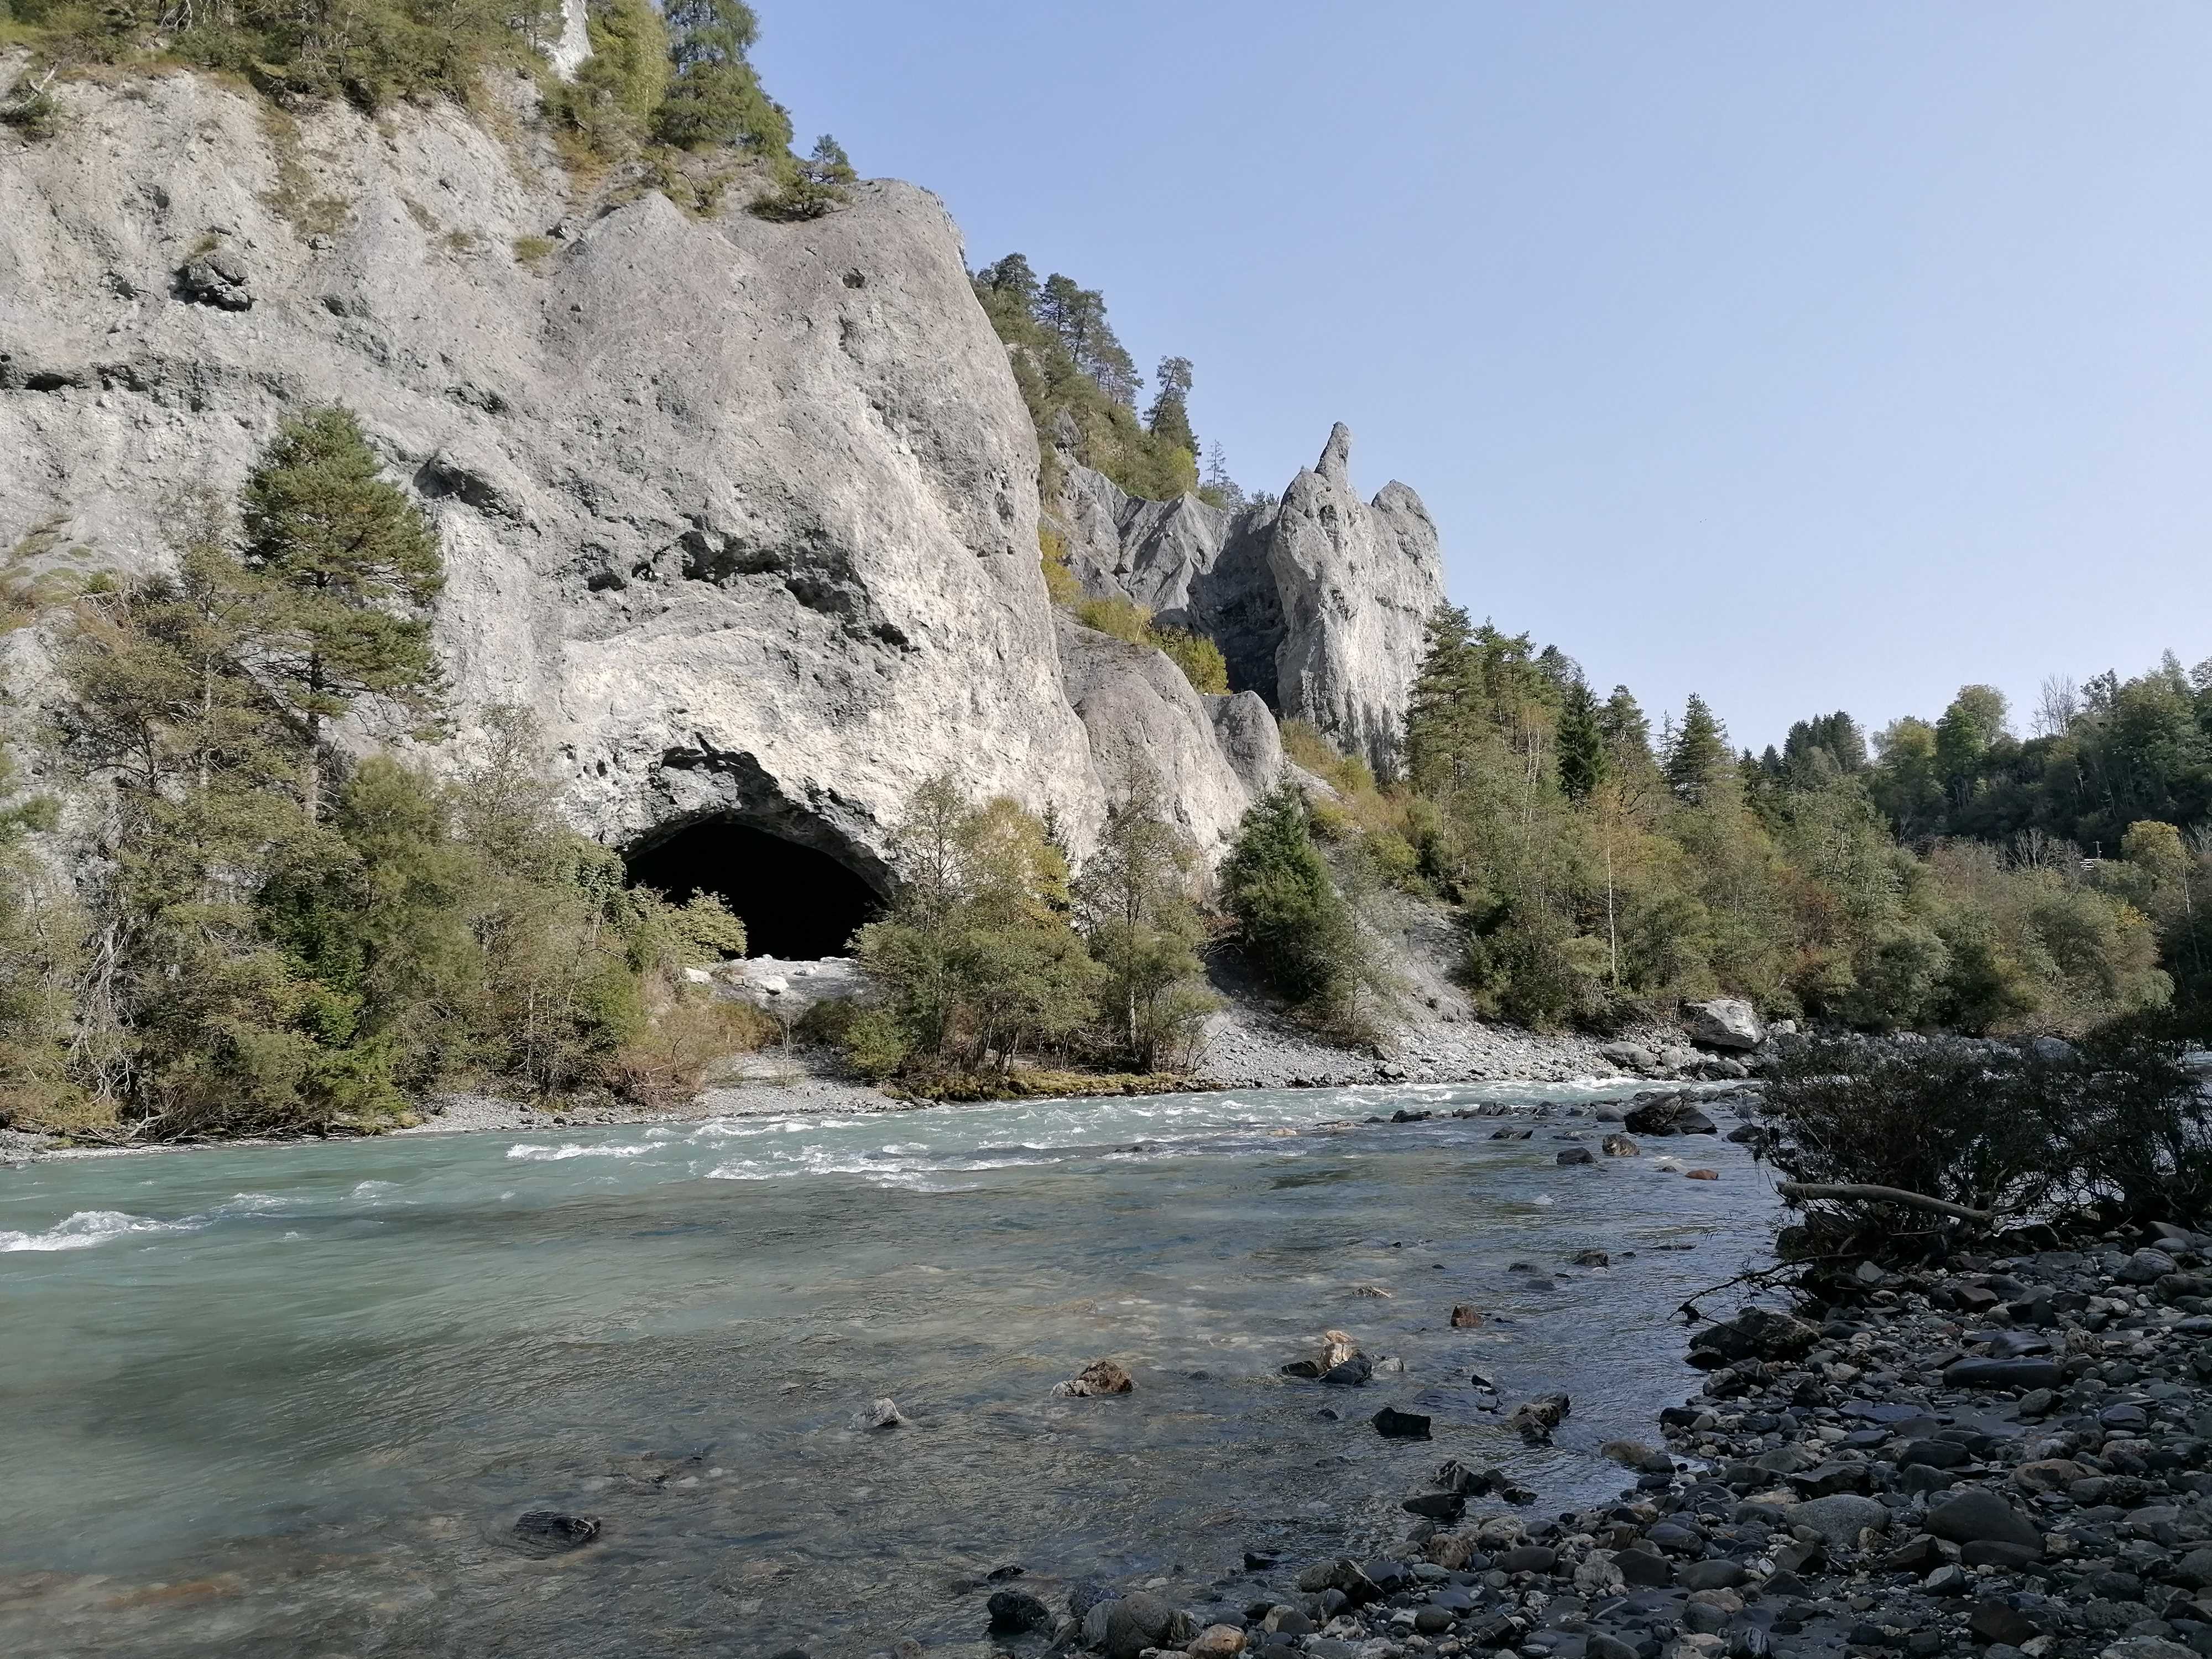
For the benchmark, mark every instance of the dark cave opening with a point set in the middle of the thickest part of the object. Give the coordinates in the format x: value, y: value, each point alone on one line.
x: 796, y: 902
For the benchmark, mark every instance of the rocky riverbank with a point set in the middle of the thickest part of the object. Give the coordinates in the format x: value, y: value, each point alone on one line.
x: 2005, y: 1456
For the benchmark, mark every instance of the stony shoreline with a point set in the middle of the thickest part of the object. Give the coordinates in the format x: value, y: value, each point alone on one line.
x: 2003, y: 1456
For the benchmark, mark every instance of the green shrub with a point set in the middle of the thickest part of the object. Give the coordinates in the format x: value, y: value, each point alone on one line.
x: 875, y: 1042
x: 1061, y: 583
x: 1529, y: 965
x: 1200, y: 659
x: 31, y: 113
x: 810, y: 188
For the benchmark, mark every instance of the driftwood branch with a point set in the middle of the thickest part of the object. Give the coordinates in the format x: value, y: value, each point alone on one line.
x: 1883, y: 1196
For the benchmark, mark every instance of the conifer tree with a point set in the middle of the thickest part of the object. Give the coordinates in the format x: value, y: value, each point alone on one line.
x: 1170, y: 414
x: 1697, y: 760
x: 1297, y: 927
x: 1580, y: 742
x: 714, y: 97
x: 349, y: 563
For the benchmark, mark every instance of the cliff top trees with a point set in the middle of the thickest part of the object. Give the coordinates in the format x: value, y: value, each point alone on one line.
x: 1168, y: 418
x: 713, y: 94
x: 1070, y: 365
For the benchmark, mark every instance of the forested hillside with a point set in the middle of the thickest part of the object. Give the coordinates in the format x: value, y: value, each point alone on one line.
x: 1958, y: 878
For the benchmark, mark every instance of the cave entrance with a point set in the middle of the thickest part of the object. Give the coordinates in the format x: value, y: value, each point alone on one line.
x: 798, y: 901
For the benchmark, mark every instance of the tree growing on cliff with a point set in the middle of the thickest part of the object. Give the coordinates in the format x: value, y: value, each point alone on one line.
x: 1168, y: 418
x: 348, y: 564
x: 713, y: 96
x: 609, y: 108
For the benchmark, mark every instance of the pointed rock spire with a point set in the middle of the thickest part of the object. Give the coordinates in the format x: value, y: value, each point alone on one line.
x: 1335, y: 463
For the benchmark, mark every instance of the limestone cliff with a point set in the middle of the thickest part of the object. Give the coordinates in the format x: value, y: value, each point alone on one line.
x: 745, y: 511
x: 1318, y: 601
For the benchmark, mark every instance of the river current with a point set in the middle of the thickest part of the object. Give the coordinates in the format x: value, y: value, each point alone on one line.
x: 281, y: 1400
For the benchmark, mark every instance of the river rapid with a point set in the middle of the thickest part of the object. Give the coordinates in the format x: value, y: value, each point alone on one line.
x: 292, y: 1399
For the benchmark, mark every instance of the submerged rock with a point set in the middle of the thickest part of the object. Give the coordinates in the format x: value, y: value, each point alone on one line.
x: 552, y: 1530
x: 1336, y: 1350
x: 1536, y: 1419
x: 1394, y: 1424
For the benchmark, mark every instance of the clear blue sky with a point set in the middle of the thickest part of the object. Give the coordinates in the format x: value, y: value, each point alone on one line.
x: 1804, y: 354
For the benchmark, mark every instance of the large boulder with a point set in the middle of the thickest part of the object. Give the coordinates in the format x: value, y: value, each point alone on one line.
x: 1754, y: 1333
x: 1976, y: 1515
x: 1723, y: 1023
x: 1138, y: 1621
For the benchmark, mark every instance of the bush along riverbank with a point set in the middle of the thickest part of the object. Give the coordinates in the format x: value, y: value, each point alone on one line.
x: 1985, y: 1426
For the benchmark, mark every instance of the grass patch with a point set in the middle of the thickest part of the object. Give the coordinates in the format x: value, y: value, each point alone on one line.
x: 294, y: 197
x: 24, y: 593
x: 531, y: 251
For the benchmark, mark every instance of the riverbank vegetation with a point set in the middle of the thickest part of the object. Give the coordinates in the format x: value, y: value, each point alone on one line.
x: 1603, y: 870
x: 1898, y: 1155
x: 993, y: 950
x: 269, y: 933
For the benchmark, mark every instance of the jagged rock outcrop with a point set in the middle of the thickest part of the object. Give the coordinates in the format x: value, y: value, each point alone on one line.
x: 1357, y: 583
x: 745, y: 511
x: 1318, y: 601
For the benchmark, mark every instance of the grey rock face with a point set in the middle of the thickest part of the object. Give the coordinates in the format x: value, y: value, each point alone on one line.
x: 746, y: 513
x: 1212, y: 755
x: 1357, y: 584
x: 1318, y: 603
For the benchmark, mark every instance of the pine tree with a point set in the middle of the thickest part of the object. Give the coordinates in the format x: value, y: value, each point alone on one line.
x: 349, y: 563
x: 1580, y: 741
x: 828, y: 164
x: 1168, y: 418
x: 1297, y: 926
x: 1698, y: 759
x: 1436, y: 737
x: 713, y: 96
x: 1014, y: 278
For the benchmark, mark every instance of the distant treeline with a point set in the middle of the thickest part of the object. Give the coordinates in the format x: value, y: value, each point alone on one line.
x: 1602, y: 869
